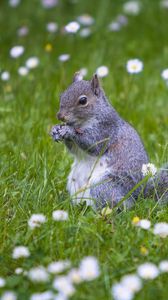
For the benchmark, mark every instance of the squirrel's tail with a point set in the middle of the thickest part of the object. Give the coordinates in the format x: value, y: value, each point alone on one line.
x: 157, y: 186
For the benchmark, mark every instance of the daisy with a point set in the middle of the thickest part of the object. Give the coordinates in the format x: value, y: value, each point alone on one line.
x: 164, y: 3
x: 16, y: 51
x: 132, y: 7
x: 23, y: 31
x: 8, y: 295
x: 60, y: 296
x: 20, y: 251
x: 18, y: 271
x: 58, y: 266
x: 52, y: 27
x: 121, y: 292
x: 102, y: 71
x: 83, y: 72
x: 38, y: 274
x: 64, y: 57
x: 49, y: 3
x: 14, y: 3
x: 132, y: 282
x: 114, y: 26
x: 164, y: 74
x: 23, y: 71
x: 74, y: 275
x: 85, y: 20
x: 134, y: 66
x: 5, y: 76
x: 144, y: 224
x: 123, y: 20
x: 163, y: 266
x: 85, y: 32
x: 36, y: 220
x: 72, y: 27
x: 64, y: 285
x: 149, y: 169
x: 60, y: 215
x: 48, y: 295
x: 32, y: 62
x: 2, y: 282
x: 148, y: 271
x: 89, y: 268
x: 161, y: 229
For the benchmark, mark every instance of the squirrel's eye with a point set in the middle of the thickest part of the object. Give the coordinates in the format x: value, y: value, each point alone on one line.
x: 82, y: 100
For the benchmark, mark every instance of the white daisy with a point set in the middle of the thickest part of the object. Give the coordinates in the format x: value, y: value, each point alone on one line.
x: 148, y: 271
x: 52, y: 27
x: 49, y: 3
x: 102, y: 71
x: 164, y: 3
x: 18, y: 271
x: 149, y: 169
x: 48, y: 295
x: 64, y: 57
x: 144, y: 224
x: 85, y: 20
x: 23, y: 71
x: 60, y: 215
x: 32, y: 62
x: 89, y: 268
x: 64, y: 285
x: 164, y: 74
x: 114, y: 26
x: 8, y: 295
x: 134, y: 66
x: 2, y: 282
x: 20, y: 251
x: 16, y: 51
x: 132, y: 282
x: 161, y: 229
x: 83, y: 72
x: 74, y: 275
x: 60, y: 296
x: 163, y: 266
x: 5, y: 76
x: 72, y: 27
x: 14, y: 3
x: 121, y: 292
x: 123, y: 20
x: 132, y: 7
x: 58, y: 266
x: 36, y: 220
x: 85, y: 32
x: 23, y: 31
x: 38, y: 274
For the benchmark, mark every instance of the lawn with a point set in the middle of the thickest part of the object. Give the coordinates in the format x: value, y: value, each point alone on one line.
x: 34, y: 169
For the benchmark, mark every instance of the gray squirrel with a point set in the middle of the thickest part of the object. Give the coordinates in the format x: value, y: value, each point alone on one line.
x: 108, y: 152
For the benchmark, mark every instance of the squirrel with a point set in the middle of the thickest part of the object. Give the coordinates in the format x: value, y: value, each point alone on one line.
x: 108, y: 151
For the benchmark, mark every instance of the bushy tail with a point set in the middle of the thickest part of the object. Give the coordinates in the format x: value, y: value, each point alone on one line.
x: 157, y: 186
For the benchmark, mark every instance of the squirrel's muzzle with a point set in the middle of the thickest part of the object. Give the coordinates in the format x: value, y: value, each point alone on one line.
x: 61, y: 116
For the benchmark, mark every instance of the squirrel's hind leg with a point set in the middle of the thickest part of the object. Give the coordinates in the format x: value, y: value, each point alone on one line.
x: 109, y: 193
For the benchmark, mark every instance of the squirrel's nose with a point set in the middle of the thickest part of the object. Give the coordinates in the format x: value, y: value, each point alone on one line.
x: 61, y: 116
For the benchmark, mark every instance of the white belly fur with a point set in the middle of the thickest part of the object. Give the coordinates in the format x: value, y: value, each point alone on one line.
x: 86, y: 171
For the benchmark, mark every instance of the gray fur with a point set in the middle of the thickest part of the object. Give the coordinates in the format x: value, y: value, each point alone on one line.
x: 98, y: 130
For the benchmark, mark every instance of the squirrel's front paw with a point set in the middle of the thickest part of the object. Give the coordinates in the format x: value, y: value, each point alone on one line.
x: 58, y: 132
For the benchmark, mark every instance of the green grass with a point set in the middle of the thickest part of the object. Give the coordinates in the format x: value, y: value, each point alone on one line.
x: 33, y: 170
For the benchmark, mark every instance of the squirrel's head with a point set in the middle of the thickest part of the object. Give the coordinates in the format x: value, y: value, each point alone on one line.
x: 82, y: 101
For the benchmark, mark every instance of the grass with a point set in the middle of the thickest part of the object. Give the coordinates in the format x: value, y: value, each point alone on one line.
x: 33, y: 169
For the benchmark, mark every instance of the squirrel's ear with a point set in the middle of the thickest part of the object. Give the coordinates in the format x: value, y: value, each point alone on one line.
x: 95, y: 85
x: 77, y: 77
